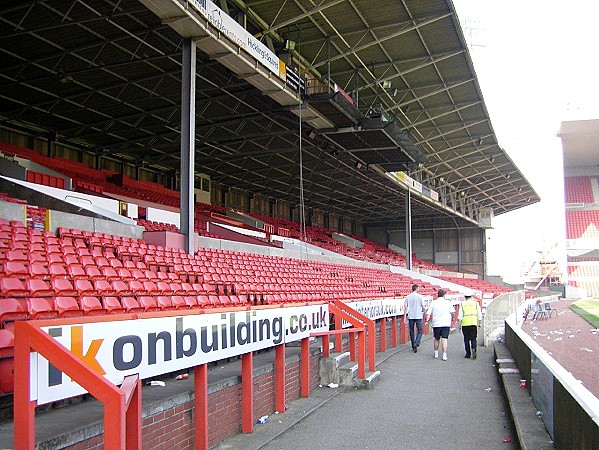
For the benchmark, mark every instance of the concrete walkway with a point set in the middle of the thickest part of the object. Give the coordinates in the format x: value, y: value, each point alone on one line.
x: 420, y: 402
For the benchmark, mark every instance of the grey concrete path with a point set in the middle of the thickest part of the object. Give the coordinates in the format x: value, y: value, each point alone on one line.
x: 420, y: 402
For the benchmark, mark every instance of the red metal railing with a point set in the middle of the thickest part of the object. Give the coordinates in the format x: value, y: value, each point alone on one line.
x: 122, y: 406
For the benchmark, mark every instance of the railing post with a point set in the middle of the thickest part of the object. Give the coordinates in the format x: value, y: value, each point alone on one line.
x: 403, y: 326
x: 361, y: 354
x: 372, y: 348
x: 351, y: 339
x: 305, y: 368
x: 280, y: 378
x: 394, y: 331
x: 200, y: 407
x: 383, y: 334
x: 325, y: 346
x: 247, y: 392
x: 338, y: 338
x: 133, y: 415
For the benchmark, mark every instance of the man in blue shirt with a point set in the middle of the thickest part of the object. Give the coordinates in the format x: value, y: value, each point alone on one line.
x: 414, y: 307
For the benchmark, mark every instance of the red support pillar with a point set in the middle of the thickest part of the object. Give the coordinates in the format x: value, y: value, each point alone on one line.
x: 280, y: 400
x: 404, y: 327
x: 200, y: 415
x: 24, y: 409
x: 305, y: 368
x: 247, y: 392
x: 383, y: 334
x: 394, y: 331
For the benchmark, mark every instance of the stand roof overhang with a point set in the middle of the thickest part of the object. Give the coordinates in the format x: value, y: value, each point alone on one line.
x: 104, y: 76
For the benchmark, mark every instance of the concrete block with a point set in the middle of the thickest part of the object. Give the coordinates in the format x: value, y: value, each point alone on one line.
x: 369, y: 381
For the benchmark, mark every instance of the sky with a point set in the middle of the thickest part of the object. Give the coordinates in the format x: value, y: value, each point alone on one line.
x: 537, y: 66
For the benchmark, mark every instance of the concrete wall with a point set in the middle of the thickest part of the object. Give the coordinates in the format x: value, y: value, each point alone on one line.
x: 13, y: 211
x: 575, y: 409
x: 85, y: 223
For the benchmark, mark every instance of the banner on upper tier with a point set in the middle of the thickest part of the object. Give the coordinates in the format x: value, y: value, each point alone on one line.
x: 240, y: 36
x: 155, y: 346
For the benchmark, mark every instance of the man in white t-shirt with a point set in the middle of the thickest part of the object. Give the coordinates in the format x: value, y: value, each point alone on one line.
x: 441, y: 310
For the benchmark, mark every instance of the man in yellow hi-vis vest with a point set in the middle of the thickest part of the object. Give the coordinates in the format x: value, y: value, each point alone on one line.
x: 470, y: 317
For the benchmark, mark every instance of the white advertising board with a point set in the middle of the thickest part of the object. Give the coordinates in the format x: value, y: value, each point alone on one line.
x: 151, y: 347
x: 239, y: 35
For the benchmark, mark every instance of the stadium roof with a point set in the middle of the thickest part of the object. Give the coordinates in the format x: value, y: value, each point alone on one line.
x: 579, y: 143
x: 104, y: 75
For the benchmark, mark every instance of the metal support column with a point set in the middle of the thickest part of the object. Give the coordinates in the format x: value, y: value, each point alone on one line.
x: 408, y: 230
x: 188, y: 131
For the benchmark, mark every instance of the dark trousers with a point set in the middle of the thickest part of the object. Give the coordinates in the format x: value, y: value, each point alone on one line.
x: 470, y: 333
x: 418, y: 322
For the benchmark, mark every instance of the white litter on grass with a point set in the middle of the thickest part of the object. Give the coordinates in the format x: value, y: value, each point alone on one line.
x: 584, y: 349
x: 557, y: 339
x: 571, y: 336
x: 333, y: 385
x: 595, y: 330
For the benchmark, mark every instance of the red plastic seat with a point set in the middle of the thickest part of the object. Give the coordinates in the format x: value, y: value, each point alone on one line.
x: 121, y: 288
x: 130, y: 304
x: 38, y: 288
x: 93, y: 273
x: 62, y: 287
x: 12, y: 309
x: 112, y: 305
x: 103, y: 287
x: 7, y: 343
x: 177, y: 289
x: 16, y: 269
x: 136, y: 287
x: 91, y: 306
x: 178, y: 302
x: 203, y: 300
x: 13, y: 287
x: 76, y: 272
x: 39, y: 270
x: 84, y: 287
x: 191, y: 301
x: 124, y: 274
x: 57, y: 270
x: 67, y: 306
x: 17, y: 255
x: 40, y: 308
x: 109, y: 273
x: 164, y: 288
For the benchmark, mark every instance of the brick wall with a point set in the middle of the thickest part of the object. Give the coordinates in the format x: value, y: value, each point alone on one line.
x: 172, y: 427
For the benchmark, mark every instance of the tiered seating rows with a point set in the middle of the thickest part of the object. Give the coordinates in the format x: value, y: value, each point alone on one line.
x: 579, y: 190
x: 485, y: 287
x: 582, y: 224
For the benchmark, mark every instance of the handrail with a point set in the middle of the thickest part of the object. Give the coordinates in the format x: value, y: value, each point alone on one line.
x: 361, y: 338
x: 369, y: 323
x: 116, y: 401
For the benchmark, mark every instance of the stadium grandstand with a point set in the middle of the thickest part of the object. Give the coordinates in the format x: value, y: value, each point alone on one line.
x: 581, y: 187
x: 264, y: 173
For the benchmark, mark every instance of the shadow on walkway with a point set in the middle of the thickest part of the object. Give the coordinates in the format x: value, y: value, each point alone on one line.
x: 419, y: 402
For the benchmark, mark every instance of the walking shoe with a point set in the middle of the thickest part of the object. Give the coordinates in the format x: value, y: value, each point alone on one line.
x: 415, y: 349
x: 444, y: 356
x: 466, y: 356
x: 474, y: 354
x: 436, y: 354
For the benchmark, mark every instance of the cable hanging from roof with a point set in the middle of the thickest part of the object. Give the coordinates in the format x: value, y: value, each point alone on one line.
x: 302, y: 206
